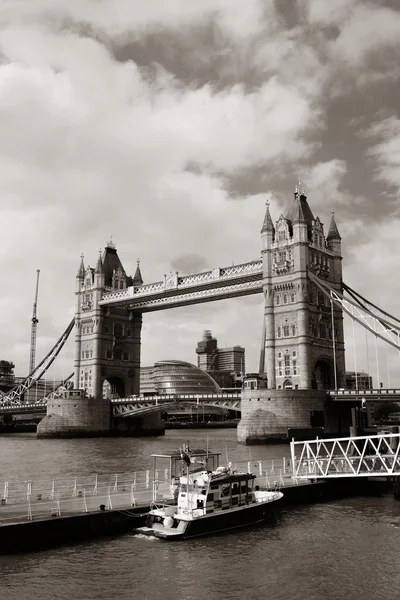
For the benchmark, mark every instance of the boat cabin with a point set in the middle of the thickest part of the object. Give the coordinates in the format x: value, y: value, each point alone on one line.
x: 207, y: 492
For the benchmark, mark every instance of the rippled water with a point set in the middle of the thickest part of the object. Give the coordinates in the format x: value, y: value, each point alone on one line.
x: 344, y: 549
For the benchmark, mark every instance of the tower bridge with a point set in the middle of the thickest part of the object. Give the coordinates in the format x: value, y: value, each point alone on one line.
x: 302, y: 359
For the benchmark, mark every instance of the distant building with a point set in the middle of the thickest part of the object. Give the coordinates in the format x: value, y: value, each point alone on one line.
x: 225, y: 365
x: 358, y: 381
x: 175, y: 377
x: 7, y: 377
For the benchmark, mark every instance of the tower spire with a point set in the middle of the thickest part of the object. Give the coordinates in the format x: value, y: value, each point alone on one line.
x: 137, y: 279
x: 299, y: 189
x: 268, y: 224
x: 333, y: 234
x: 81, y: 270
x: 99, y: 265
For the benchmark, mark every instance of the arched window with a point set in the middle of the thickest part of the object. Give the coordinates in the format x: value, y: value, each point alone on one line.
x: 279, y: 332
x: 284, y: 298
x: 293, y: 330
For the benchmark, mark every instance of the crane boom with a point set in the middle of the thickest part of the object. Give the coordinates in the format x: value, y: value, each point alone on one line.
x: 35, y: 321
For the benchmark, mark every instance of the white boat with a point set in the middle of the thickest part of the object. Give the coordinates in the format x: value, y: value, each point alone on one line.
x: 209, y: 502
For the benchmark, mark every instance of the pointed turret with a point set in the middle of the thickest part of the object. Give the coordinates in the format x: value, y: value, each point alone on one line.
x: 333, y: 239
x: 137, y: 279
x: 268, y: 224
x: 300, y: 212
x: 333, y: 234
x: 99, y: 265
x: 268, y: 229
x: 81, y: 271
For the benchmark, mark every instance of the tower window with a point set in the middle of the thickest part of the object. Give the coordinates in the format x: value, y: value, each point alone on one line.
x: 291, y: 297
x: 280, y: 370
x: 294, y: 364
x: 277, y: 299
x: 286, y: 331
x: 282, y: 235
x: 285, y: 300
x: 287, y: 364
x: 279, y: 332
x: 293, y: 330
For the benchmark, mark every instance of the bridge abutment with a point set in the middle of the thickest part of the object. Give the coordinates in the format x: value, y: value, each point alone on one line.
x: 75, y: 415
x: 270, y: 415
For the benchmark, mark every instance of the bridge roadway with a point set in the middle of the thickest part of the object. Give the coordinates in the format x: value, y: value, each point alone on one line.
x: 123, y: 407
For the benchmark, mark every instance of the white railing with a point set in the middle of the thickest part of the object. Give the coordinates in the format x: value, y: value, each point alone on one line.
x: 363, y: 456
x: 39, y: 499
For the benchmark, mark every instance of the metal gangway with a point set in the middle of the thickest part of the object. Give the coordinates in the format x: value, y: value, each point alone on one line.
x: 362, y: 456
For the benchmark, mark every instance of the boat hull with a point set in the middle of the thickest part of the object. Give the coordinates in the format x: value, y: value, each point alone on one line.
x: 243, y: 516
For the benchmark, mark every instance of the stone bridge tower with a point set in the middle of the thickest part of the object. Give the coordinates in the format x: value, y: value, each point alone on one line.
x: 299, y: 350
x: 107, y: 340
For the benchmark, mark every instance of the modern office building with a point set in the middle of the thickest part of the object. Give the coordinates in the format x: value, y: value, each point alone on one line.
x: 7, y: 377
x: 225, y: 365
x: 358, y: 381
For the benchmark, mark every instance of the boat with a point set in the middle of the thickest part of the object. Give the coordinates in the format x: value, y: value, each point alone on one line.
x: 209, y: 502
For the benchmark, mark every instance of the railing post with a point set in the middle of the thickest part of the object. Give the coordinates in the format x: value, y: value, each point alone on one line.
x: 147, y: 480
x: 260, y: 467
x: 85, y: 508
x: 267, y: 485
x: 133, y: 501
x: 5, y: 493
x: 109, y: 502
x: 293, y: 457
x: 53, y: 490
x: 74, y: 491
x: 95, y: 489
x: 116, y: 483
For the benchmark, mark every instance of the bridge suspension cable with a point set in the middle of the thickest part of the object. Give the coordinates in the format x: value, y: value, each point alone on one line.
x: 387, y: 331
x: 13, y: 398
x: 63, y: 386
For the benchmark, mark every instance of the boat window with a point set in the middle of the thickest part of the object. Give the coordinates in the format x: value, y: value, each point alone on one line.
x: 210, y: 498
x: 214, y: 487
x: 235, y: 489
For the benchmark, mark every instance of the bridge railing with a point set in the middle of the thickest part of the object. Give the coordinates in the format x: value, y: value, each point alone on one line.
x: 362, y: 456
x: 373, y: 392
x: 38, y: 499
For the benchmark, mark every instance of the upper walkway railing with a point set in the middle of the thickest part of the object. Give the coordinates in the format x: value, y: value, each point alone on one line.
x: 363, y: 456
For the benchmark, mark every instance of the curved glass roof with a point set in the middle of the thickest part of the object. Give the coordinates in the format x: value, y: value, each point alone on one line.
x: 179, y: 377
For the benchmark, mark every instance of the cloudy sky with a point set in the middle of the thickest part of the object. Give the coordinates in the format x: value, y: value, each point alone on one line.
x: 167, y: 124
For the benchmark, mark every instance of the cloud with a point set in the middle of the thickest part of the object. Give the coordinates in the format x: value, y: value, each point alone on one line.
x: 387, y: 151
x: 175, y: 168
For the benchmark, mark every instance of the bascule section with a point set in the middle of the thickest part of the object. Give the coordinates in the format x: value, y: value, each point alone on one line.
x: 302, y: 352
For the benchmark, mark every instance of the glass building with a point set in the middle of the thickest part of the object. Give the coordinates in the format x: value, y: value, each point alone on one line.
x: 177, y: 377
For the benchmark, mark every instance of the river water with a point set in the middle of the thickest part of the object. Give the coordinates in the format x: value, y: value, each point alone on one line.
x: 347, y: 549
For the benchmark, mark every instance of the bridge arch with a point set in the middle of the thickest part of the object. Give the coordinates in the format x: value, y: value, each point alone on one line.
x: 114, y: 387
x: 323, y: 377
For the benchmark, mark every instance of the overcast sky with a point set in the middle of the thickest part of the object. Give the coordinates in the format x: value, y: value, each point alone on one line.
x: 167, y: 124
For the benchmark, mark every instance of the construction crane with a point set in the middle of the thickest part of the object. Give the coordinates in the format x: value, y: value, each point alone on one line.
x: 35, y: 321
